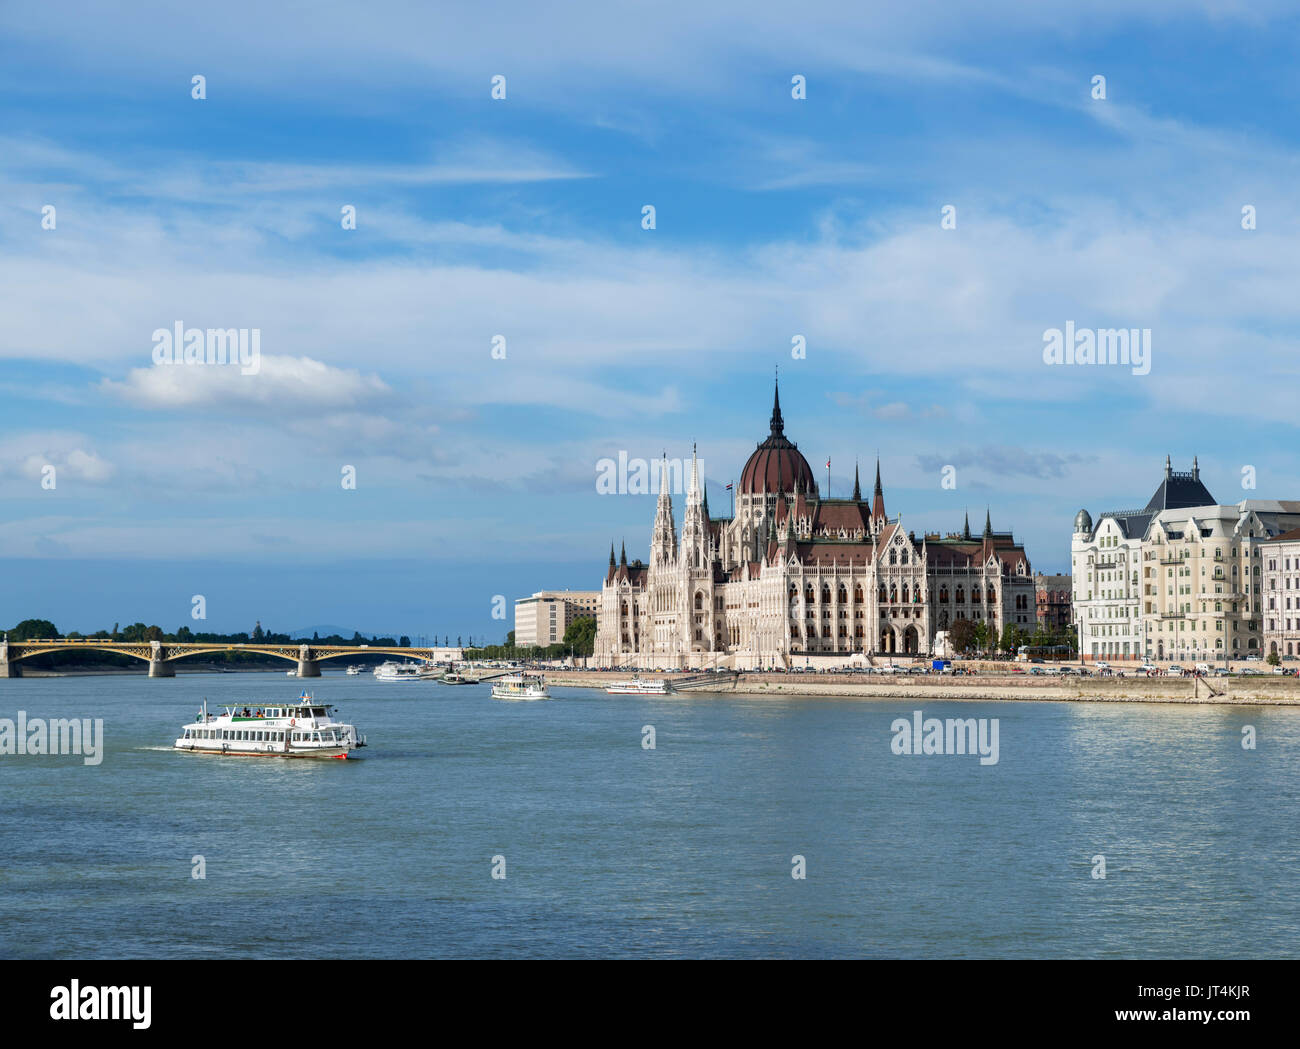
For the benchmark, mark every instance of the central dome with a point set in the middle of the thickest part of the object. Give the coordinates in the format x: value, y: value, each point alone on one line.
x: 776, y: 465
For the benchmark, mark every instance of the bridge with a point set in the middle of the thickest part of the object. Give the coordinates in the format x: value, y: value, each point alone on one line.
x: 162, y: 655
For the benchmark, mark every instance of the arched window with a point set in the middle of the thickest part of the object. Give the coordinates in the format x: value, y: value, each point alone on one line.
x: 961, y: 595
x: 943, y: 595
x: 699, y: 602
x: 857, y: 594
x: 893, y: 593
x: 906, y: 593
x: 893, y: 557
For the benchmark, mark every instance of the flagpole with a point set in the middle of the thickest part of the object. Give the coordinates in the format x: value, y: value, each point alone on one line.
x: 732, y: 486
x: 828, y: 478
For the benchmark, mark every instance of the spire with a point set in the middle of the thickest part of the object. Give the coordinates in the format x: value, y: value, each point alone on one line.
x: 988, y: 524
x: 778, y: 424
x: 611, y: 555
x: 1169, y: 466
x: 857, y: 488
x: 1196, y: 469
x: 693, y: 493
x: 878, y: 499
x: 622, y: 555
x: 965, y: 528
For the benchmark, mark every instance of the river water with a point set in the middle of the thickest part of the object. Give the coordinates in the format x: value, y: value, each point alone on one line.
x: 612, y: 849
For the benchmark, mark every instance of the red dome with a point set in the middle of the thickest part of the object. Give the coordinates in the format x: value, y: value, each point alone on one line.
x: 776, y: 465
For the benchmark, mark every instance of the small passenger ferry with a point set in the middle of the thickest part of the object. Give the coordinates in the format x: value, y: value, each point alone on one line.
x: 520, y: 686
x: 301, y: 729
x: 638, y: 687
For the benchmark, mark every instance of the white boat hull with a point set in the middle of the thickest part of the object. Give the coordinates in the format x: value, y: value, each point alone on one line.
x: 269, y: 751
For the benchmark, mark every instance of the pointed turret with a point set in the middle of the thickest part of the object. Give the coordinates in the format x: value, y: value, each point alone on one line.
x: 965, y: 528
x: 988, y: 525
x: 878, y: 498
x: 777, y: 423
x: 663, y: 539
x: 695, y: 529
x: 611, y: 555
x: 857, y: 488
x: 622, y: 555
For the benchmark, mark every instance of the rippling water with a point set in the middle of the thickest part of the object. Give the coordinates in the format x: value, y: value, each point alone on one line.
x: 684, y: 850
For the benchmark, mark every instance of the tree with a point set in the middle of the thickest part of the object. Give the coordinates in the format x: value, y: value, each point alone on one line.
x: 34, y: 629
x: 404, y: 642
x: 1273, y: 659
x: 961, y: 635
x: 580, y: 636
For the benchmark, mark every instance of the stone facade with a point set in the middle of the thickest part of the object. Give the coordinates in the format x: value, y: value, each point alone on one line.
x: 1180, y: 579
x: 796, y: 579
x: 1052, y: 601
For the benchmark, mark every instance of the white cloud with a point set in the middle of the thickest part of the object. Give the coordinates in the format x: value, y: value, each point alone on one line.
x: 280, y: 382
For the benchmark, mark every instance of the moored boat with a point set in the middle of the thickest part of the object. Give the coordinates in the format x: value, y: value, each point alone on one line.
x: 301, y: 729
x: 393, y: 671
x: 640, y: 687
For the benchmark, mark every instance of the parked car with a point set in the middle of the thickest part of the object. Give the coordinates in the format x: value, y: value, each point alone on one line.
x: 1254, y: 657
x: 1174, y: 668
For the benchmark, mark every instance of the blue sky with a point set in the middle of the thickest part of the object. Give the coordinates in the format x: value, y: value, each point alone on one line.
x: 521, y: 217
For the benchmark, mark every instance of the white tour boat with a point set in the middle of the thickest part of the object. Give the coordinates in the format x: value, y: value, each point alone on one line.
x: 638, y: 687
x: 520, y: 686
x: 354, y: 671
x: 301, y: 729
x: 392, y: 671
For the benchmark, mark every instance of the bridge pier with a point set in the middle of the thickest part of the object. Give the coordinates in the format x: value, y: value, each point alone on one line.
x: 308, y: 668
x: 9, y: 669
x: 161, y: 668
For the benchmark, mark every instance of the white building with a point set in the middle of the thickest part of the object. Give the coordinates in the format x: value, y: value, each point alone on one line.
x: 1178, y: 580
x: 543, y: 618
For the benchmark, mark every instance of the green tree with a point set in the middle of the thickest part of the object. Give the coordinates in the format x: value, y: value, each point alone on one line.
x: 961, y: 635
x: 580, y: 635
x: 1273, y: 659
x: 34, y: 629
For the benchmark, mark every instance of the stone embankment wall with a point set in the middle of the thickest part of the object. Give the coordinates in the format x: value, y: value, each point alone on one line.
x: 1263, y: 690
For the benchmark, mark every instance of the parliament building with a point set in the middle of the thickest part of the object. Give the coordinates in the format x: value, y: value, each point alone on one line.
x: 794, y: 579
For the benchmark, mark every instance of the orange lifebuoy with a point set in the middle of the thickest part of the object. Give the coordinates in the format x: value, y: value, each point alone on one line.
x: 293, y: 721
